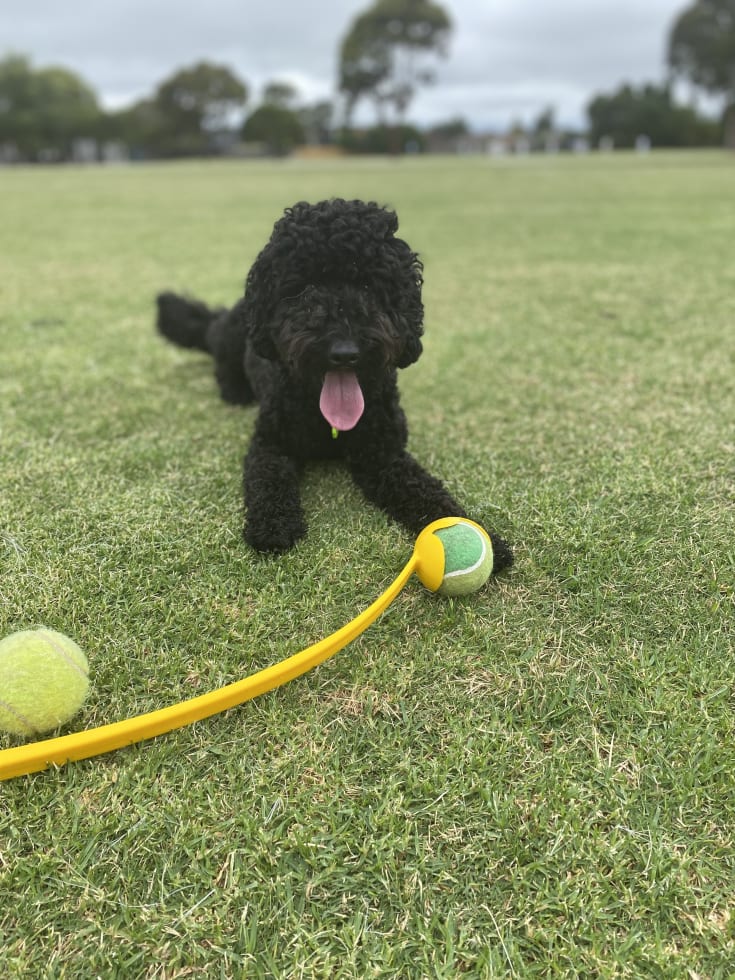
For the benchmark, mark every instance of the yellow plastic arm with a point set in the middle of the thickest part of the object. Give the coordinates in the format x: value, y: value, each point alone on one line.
x: 24, y: 759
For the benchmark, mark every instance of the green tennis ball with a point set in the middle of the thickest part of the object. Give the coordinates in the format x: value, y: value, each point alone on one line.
x: 468, y: 558
x: 44, y: 677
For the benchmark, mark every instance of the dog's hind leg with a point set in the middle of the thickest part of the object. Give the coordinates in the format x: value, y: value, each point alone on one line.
x: 190, y: 323
x: 226, y: 340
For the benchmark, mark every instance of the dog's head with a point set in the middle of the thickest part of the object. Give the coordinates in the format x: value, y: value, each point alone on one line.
x: 336, y: 295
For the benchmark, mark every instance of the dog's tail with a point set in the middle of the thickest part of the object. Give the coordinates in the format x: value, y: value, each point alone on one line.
x: 185, y: 321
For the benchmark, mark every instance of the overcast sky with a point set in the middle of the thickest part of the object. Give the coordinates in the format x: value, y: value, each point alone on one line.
x: 508, y: 59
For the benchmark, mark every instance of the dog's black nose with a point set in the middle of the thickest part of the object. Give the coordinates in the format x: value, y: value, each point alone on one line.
x: 343, y: 354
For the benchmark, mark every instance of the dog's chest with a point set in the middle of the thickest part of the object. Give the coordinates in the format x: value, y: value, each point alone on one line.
x: 310, y: 436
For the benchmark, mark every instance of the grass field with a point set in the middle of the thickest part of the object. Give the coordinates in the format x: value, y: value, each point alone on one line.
x: 535, y: 781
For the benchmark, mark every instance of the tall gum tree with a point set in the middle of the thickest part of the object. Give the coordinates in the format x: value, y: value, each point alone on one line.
x: 388, y: 52
x: 702, y: 49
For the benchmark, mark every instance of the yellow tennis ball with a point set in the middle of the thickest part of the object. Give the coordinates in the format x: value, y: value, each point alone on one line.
x: 454, y: 556
x: 468, y: 557
x: 44, y: 677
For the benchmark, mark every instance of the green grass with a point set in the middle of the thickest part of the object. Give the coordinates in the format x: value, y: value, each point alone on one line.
x: 535, y: 781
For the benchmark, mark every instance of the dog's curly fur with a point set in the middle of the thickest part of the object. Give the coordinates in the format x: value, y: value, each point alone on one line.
x: 334, y: 290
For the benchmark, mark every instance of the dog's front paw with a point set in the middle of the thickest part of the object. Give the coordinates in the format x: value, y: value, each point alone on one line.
x: 502, y: 553
x: 273, y: 538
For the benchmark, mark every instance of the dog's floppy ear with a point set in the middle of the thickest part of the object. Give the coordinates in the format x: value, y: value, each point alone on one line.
x: 411, y: 307
x: 412, y: 346
x: 261, y: 340
x: 256, y: 307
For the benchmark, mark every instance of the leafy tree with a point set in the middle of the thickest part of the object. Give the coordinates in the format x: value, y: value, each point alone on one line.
x: 68, y: 108
x: 142, y: 127
x: 383, y: 55
x: 44, y: 110
x: 545, y: 134
x: 194, y: 104
x: 702, y: 45
x: 18, y: 103
x: 316, y: 121
x: 452, y: 129
x: 382, y: 139
x: 545, y: 123
x: 282, y: 94
x: 650, y: 110
x: 702, y: 49
x: 278, y: 128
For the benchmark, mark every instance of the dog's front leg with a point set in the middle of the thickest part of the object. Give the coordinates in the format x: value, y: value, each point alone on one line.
x: 274, y: 516
x: 403, y: 489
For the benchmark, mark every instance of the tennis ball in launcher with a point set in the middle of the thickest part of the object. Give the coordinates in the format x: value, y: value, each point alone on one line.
x: 454, y: 556
x: 44, y: 677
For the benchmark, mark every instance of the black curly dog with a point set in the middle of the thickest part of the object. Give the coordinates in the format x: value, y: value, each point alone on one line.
x: 332, y: 307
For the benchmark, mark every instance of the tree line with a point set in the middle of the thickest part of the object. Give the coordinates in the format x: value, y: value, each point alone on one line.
x: 386, y: 54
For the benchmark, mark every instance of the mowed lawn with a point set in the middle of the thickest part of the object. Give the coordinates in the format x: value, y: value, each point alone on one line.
x: 534, y: 781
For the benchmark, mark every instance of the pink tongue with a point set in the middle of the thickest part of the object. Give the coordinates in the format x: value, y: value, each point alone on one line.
x: 341, y: 402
